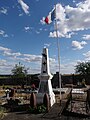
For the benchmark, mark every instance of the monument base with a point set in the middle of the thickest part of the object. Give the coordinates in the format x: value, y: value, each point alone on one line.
x: 45, y: 87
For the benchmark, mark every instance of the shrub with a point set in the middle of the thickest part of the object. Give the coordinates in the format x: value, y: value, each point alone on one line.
x: 37, y: 110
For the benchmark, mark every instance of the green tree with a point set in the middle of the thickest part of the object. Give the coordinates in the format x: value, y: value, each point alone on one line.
x: 83, y: 68
x: 19, y: 71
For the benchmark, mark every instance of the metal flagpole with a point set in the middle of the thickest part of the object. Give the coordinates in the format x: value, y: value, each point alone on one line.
x: 58, y: 47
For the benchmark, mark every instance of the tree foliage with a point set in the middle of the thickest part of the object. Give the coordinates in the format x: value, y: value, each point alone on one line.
x: 83, y: 68
x: 19, y: 70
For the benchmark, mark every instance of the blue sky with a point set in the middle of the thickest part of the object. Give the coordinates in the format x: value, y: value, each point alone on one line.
x: 23, y: 34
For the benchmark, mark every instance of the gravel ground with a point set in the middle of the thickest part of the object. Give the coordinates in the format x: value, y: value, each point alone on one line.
x: 78, y: 108
x: 24, y: 116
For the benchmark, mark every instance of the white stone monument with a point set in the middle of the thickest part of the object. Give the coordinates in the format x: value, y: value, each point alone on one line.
x: 45, y: 77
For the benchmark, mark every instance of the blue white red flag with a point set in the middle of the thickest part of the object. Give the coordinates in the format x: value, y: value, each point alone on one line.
x: 50, y: 17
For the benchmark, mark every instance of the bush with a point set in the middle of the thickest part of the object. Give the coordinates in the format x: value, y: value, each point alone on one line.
x: 41, y: 109
x: 37, y: 110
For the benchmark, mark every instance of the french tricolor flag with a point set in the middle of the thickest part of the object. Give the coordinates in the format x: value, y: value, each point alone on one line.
x: 50, y: 17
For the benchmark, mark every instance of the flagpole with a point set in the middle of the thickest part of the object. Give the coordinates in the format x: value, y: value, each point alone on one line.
x: 58, y: 47
x: 48, y: 21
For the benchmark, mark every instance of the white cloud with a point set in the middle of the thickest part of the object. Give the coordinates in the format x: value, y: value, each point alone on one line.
x: 84, y: 5
x: 3, y: 11
x: 37, y: 32
x: 27, y: 28
x: 5, y: 35
x: 2, y: 33
x: 5, y: 66
x: 2, y: 62
x: 78, y: 45
x: 19, y: 56
x: 74, y: 1
x: 32, y: 61
x: 4, y: 49
x: 86, y: 37
x: 59, y: 34
x: 56, y: 34
x: 47, y: 44
x: 14, y: 57
x: 11, y: 54
x: 42, y: 21
x: 71, y: 19
x: 60, y: 12
x: 66, y: 68
x: 32, y: 58
x: 83, y: 43
x: 8, y: 52
x: 87, y: 55
x: 21, y: 14
x: 24, y: 6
